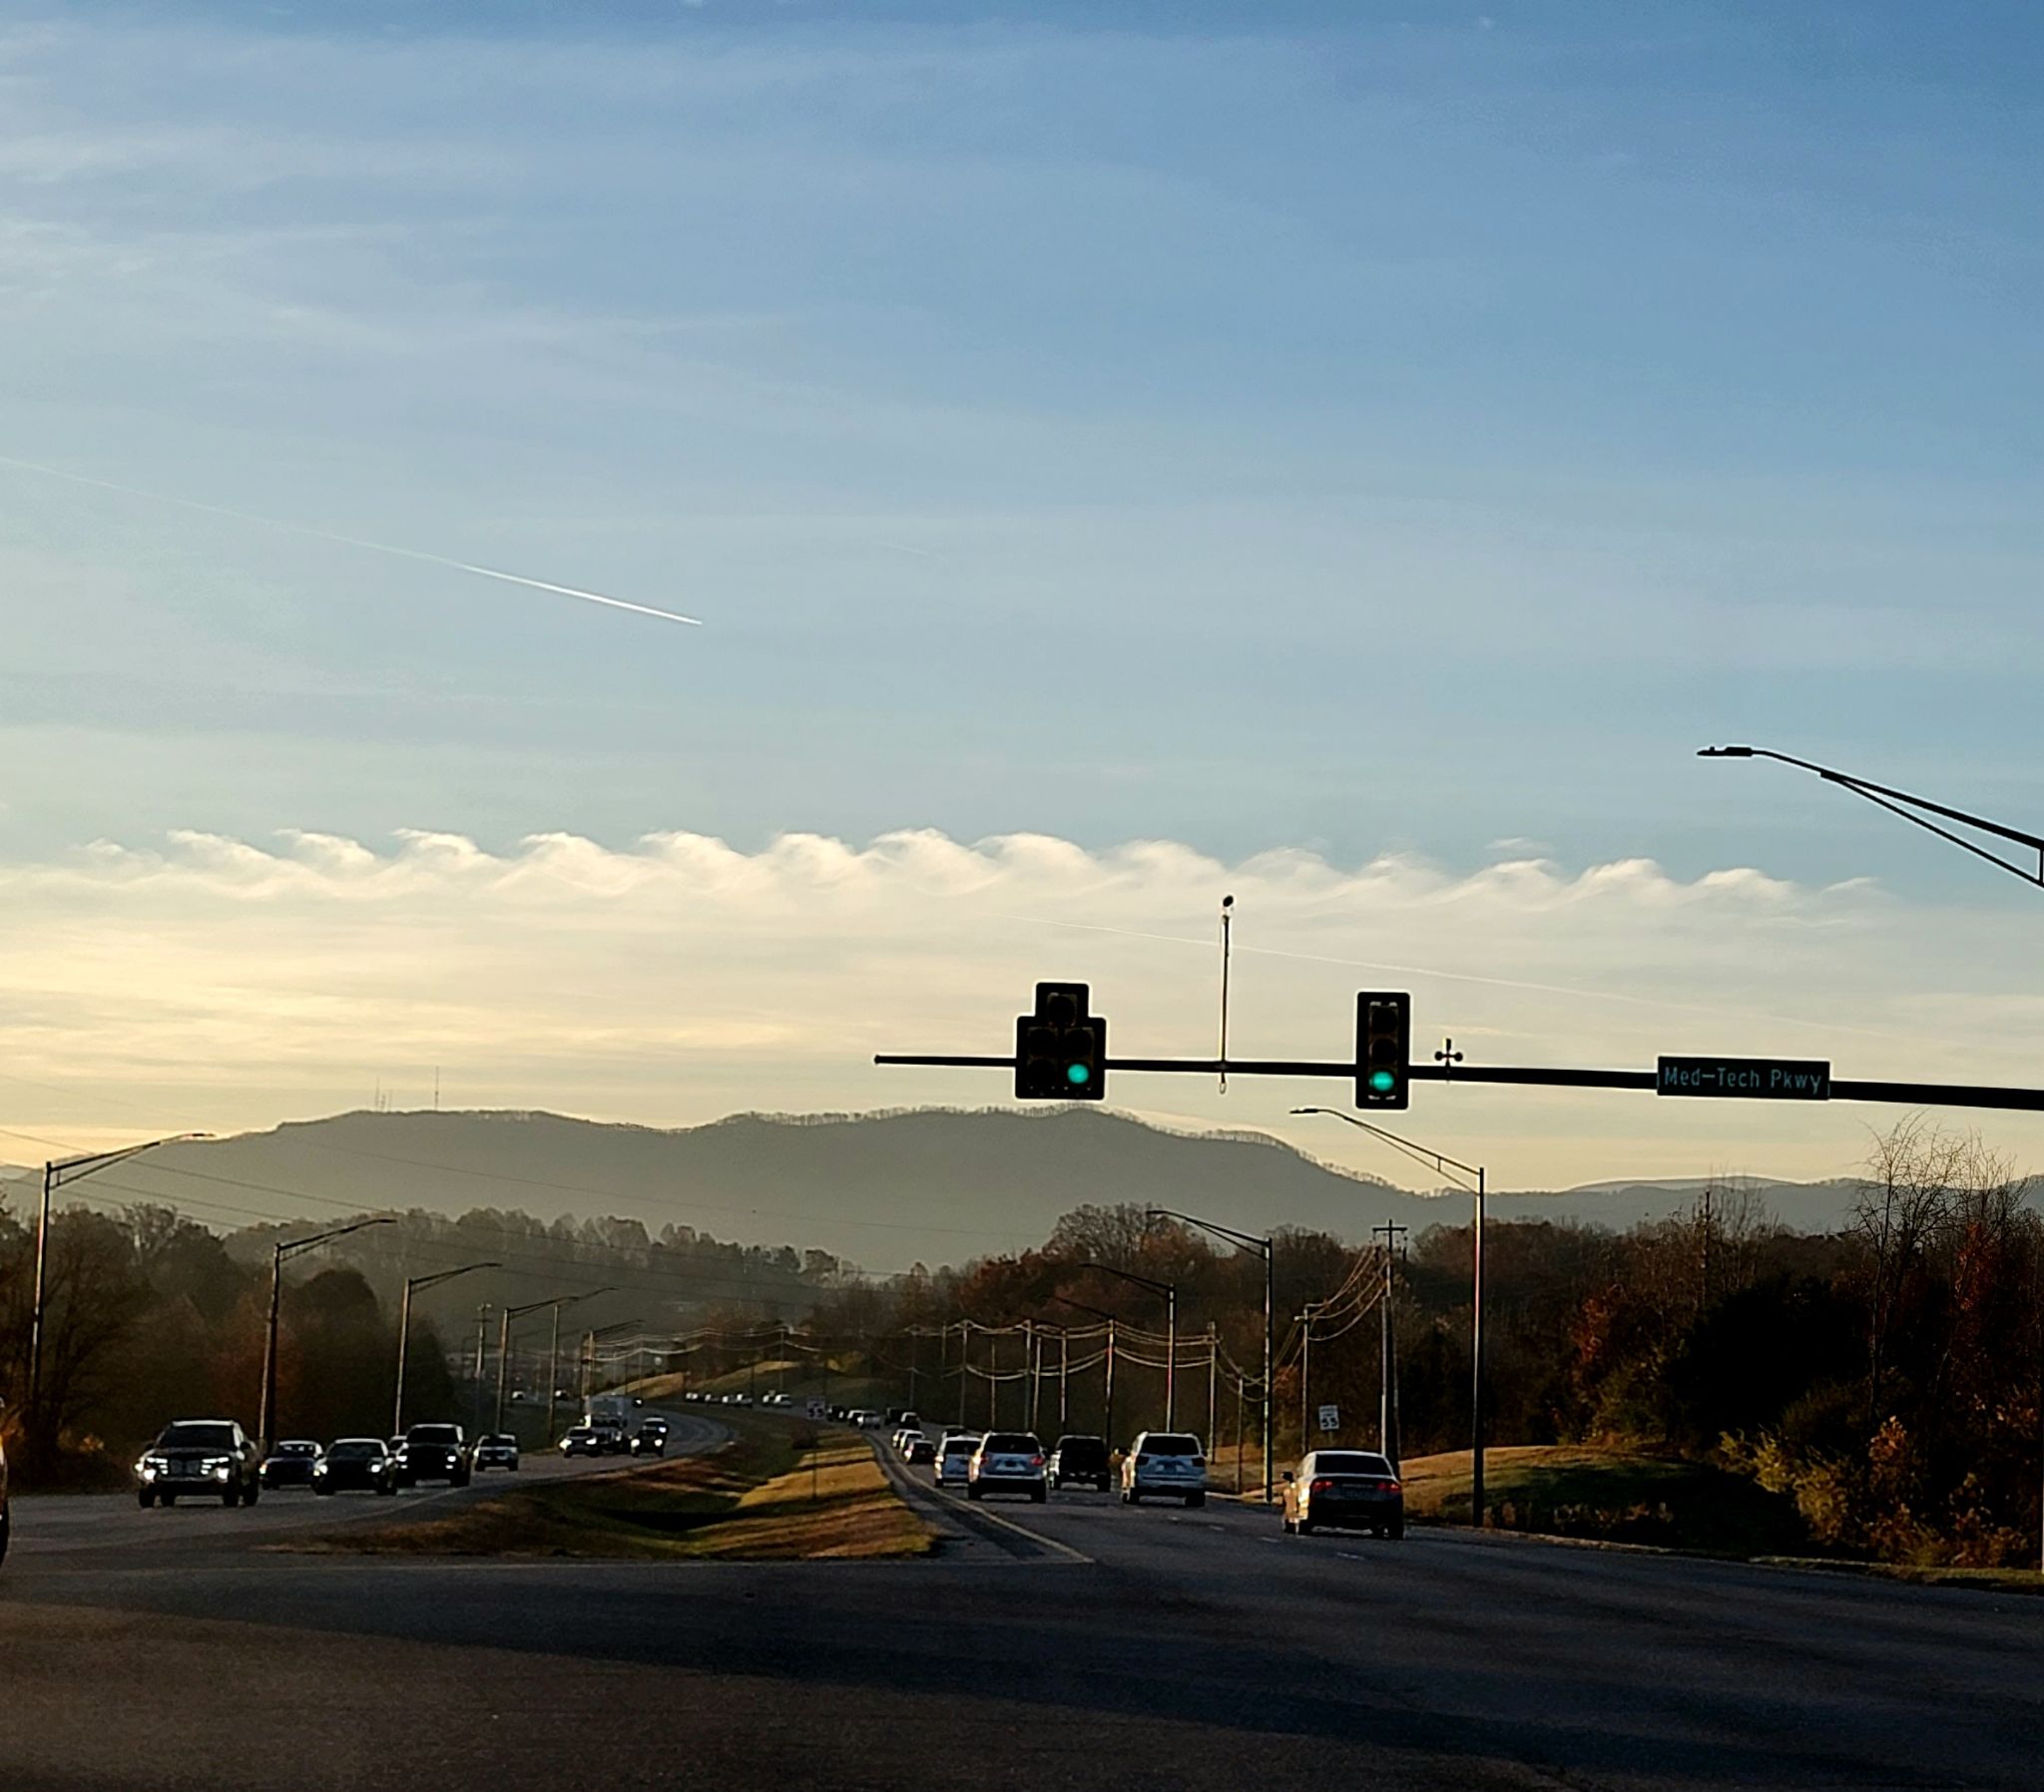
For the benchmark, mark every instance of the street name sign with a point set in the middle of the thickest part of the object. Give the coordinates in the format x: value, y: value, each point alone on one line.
x: 1749, y: 1078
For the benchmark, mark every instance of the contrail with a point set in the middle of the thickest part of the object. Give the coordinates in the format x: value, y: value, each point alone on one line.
x: 350, y: 540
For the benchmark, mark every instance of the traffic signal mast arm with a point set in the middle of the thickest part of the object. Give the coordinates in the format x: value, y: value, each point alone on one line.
x: 1915, y: 1095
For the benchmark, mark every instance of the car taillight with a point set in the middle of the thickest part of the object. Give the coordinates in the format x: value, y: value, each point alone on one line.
x: 1321, y: 1485
x: 1198, y: 1462
x: 1036, y: 1462
x: 1386, y: 1486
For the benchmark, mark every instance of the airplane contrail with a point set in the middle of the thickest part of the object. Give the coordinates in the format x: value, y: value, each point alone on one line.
x: 350, y: 540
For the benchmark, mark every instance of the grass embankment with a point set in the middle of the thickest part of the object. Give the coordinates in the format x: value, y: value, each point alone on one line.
x: 1612, y: 1495
x: 767, y: 1495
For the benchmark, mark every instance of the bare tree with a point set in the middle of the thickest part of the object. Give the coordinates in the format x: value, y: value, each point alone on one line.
x: 1906, y: 1202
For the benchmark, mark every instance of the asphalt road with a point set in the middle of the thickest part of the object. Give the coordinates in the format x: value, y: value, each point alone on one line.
x: 1078, y: 1644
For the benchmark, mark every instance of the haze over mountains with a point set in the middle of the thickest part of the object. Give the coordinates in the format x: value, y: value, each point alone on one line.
x: 935, y: 1186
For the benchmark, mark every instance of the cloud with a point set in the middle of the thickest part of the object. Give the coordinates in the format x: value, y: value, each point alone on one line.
x: 232, y: 982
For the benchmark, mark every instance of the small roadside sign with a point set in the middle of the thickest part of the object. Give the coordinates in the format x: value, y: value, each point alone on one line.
x: 1751, y: 1078
x: 816, y: 1409
x: 1330, y: 1420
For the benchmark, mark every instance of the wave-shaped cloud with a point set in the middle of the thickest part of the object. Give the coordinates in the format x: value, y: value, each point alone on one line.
x: 683, y: 977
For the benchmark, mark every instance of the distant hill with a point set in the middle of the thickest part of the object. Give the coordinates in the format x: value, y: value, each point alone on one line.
x: 936, y: 1185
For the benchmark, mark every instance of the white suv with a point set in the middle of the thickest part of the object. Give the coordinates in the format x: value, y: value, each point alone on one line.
x: 954, y: 1458
x: 1165, y: 1462
x: 1007, y: 1462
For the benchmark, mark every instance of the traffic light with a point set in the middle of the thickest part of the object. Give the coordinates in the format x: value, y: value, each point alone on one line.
x: 1383, y: 1048
x: 1061, y: 1049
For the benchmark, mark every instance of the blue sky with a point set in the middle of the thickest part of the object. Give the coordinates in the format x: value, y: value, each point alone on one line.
x: 1266, y: 428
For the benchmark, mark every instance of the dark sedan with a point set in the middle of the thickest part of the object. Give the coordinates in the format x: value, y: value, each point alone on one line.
x: 289, y: 1463
x: 355, y: 1465
x: 1349, y: 1489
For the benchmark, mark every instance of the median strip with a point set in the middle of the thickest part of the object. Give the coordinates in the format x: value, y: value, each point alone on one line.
x: 769, y: 1494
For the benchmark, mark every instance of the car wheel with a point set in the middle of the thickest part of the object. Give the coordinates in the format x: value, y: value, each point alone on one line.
x: 1398, y: 1531
x: 231, y: 1494
x: 169, y: 1499
x: 1195, y: 1499
x: 251, y: 1492
x: 325, y: 1493
x: 1304, y: 1528
x: 1288, y: 1528
x: 1133, y: 1497
x: 145, y: 1497
x: 460, y: 1479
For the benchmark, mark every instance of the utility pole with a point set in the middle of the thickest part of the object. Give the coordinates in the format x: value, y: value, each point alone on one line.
x: 1170, y: 1292
x: 993, y: 1384
x: 1035, y: 1346
x: 1388, y: 1441
x: 1213, y: 1385
x: 1305, y: 1365
x: 482, y: 1333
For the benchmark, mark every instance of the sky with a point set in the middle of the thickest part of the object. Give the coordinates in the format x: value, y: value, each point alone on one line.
x: 1348, y: 457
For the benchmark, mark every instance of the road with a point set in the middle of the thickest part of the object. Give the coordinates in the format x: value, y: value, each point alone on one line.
x: 1077, y: 1644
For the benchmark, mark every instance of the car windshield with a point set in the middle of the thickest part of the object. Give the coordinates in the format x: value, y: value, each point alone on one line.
x: 354, y: 1450
x: 195, y: 1435
x: 296, y: 1450
x: 1012, y: 1443
x: 501, y: 1442
x: 1169, y: 1443
x: 1349, y: 1461
x: 960, y: 1446
x: 433, y: 1434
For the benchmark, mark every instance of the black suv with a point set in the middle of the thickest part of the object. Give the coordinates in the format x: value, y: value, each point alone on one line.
x: 433, y: 1452
x: 1081, y: 1460
x: 211, y: 1458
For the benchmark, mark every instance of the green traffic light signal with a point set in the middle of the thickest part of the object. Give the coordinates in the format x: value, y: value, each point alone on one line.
x: 1383, y: 1081
x: 1077, y: 1072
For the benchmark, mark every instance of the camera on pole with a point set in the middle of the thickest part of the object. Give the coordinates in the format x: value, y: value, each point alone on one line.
x: 1384, y: 1049
x: 1061, y: 1049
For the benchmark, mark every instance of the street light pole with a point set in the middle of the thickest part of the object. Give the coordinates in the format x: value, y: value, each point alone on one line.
x: 1442, y: 1166
x: 1170, y: 1292
x: 55, y: 1175
x: 411, y: 1284
x: 278, y: 1253
x: 554, y: 1350
x: 1248, y: 1241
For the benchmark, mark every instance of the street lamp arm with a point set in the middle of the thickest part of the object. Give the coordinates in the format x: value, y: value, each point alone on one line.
x: 69, y: 1170
x: 420, y: 1282
x: 291, y: 1247
x: 1437, y: 1162
x: 1895, y: 801
x: 1130, y: 1276
x: 1248, y: 1240
x: 1064, y: 1300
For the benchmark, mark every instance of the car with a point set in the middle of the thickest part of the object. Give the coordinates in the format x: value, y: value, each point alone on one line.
x: 954, y: 1458
x: 433, y: 1452
x: 910, y: 1420
x: 207, y: 1457
x: 611, y: 1438
x: 355, y: 1463
x: 1172, y: 1463
x: 289, y: 1463
x: 906, y: 1436
x: 921, y: 1449
x: 650, y: 1440
x: 580, y: 1440
x: 1081, y: 1460
x: 1349, y: 1489
x: 1007, y: 1462
x: 497, y: 1451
